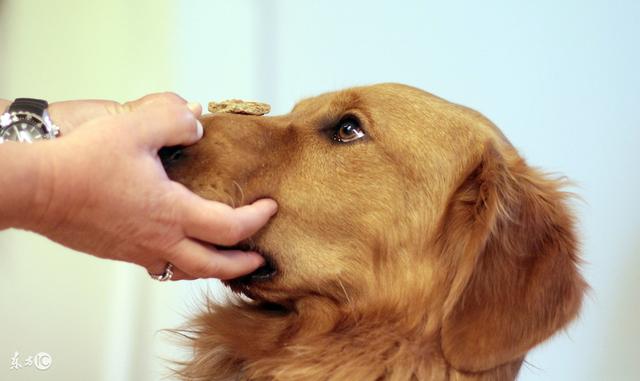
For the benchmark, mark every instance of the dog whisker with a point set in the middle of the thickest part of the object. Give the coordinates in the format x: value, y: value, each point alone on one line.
x: 344, y: 290
x: 241, y: 191
x: 232, y: 201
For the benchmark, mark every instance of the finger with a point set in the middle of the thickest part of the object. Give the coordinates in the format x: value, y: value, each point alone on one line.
x: 161, y: 125
x: 196, y: 108
x: 221, y: 224
x: 155, y: 98
x: 163, y: 99
x: 204, y: 261
x: 181, y: 275
x: 4, y: 104
x: 70, y: 114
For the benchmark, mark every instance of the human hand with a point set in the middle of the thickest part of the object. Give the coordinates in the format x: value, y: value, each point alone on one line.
x: 107, y: 193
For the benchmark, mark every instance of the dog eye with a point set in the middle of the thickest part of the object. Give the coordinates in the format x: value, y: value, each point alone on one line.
x: 348, y: 130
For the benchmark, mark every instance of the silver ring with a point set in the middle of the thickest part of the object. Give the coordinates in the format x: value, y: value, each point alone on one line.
x: 166, y: 275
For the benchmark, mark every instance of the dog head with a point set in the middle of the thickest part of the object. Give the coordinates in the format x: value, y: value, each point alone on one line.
x: 390, y: 196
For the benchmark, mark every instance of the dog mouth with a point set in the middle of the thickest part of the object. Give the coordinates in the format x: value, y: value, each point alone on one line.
x: 263, y: 273
x: 256, y: 286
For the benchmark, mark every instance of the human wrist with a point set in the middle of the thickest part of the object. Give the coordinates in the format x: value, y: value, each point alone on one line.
x: 25, y: 183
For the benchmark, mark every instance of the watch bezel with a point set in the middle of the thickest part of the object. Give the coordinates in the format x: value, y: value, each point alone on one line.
x: 42, y: 121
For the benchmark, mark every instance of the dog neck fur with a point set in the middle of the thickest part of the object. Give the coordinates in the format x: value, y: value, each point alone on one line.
x: 322, y: 340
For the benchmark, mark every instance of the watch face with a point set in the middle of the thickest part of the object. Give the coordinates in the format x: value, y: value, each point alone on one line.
x: 24, y: 128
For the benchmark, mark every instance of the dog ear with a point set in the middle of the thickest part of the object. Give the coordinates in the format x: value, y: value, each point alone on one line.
x: 510, y: 249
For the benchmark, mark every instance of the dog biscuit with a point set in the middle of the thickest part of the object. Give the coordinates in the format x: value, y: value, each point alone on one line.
x: 238, y: 106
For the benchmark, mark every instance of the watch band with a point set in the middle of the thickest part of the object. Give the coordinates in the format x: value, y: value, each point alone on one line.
x: 36, y: 106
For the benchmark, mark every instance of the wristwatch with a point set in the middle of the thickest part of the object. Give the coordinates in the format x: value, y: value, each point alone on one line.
x: 27, y: 120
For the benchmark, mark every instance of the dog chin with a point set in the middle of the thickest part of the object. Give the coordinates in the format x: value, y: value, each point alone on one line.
x: 260, y: 295
x: 255, y: 285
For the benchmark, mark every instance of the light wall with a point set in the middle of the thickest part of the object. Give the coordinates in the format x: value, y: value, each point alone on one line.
x: 97, y: 319
x: 560, y: 79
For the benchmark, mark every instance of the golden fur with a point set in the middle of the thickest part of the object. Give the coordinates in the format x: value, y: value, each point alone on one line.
x: 428, y: 250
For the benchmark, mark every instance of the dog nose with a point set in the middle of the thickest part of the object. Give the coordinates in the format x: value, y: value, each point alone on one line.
x: 169, y: 155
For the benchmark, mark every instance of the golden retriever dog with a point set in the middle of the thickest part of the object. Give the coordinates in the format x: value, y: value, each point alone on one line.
x: 412, y: 242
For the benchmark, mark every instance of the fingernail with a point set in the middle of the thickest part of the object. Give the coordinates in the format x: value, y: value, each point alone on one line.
x: 195, y: 108
x: 199, y: 130
x: 259, y: 259
x: 273, y: 206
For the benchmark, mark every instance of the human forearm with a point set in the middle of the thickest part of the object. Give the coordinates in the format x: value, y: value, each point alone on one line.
x: 24, y: 185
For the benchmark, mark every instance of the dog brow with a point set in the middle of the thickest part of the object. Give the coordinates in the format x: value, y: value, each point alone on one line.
x: 344, y: 101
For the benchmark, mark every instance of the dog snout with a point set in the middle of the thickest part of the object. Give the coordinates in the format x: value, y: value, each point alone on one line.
x: 170, y: 155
